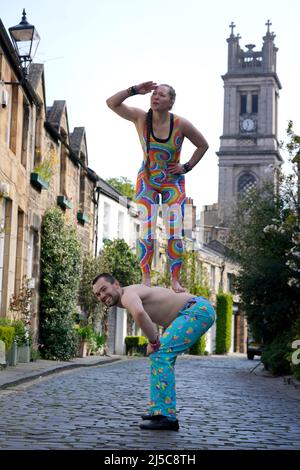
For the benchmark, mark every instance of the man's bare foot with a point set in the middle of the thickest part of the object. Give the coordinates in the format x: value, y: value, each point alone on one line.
x: 146, y: 279
x: 177, y: 287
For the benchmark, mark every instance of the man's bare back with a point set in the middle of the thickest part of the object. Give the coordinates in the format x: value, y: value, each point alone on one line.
x: 161, y: 304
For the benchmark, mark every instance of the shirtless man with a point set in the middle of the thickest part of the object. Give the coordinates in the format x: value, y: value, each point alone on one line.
x: 184, y: 317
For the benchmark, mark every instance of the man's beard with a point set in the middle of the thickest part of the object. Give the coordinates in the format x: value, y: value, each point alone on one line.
x: 112, y: 300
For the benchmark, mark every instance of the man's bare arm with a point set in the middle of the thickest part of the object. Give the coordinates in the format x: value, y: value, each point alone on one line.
x: 132, y: 302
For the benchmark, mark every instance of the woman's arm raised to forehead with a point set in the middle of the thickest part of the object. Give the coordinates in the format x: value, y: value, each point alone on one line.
x: 115, y: 102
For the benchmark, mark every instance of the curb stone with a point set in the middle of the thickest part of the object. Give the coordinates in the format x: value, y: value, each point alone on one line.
x: 55, y: 370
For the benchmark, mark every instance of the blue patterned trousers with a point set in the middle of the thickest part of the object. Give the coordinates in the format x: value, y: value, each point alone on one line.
x: 193, y: 320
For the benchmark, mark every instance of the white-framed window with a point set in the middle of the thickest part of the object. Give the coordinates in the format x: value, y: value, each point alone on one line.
x: 120, y: 224
x: 106, y: 220
x: 30, y: 254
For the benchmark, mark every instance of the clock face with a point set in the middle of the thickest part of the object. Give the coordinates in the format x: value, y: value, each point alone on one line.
x: 248, y: 124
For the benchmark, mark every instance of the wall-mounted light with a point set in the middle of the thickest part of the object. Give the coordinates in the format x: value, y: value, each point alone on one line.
x: 4, y: 96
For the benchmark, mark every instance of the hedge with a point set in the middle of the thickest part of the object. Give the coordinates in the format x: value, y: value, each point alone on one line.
x: 135, y: 344
x: 198, y: 349
x: 223, y: 323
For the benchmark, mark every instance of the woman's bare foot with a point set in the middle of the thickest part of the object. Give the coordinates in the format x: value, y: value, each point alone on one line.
x: 146, y: 279
x: 177, y: 287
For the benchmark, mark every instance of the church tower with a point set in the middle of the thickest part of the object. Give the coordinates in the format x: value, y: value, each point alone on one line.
x: 249, y: 148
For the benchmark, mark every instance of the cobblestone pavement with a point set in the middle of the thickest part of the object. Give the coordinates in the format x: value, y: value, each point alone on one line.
x: 221, y: 406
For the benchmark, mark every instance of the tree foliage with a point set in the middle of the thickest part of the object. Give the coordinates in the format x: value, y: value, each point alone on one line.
x: 261, y: 251
x: 89, y: 304
x: 264, y: 240
x: 60, y: 275
x: 123, y: 185
x: 118, y: 259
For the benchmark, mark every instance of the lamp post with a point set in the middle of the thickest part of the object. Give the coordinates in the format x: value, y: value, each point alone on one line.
x: 25, y: 40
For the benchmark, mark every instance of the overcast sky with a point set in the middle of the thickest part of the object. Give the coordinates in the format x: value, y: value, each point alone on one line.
x: 95, y: 48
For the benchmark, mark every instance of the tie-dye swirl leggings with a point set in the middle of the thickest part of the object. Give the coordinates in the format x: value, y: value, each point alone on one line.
x: 172, y: 190
x: 193, y: 320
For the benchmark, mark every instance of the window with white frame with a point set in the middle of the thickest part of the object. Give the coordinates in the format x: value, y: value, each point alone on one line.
x: 120, y: 224
x: 30, y: 250
x: 106, y: 221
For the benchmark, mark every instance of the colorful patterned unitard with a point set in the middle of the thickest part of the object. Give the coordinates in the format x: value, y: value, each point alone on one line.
x: 193, y: 320
x: 172, y: 190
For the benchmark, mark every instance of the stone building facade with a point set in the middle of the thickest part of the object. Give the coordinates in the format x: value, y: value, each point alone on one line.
x: 42, y: 164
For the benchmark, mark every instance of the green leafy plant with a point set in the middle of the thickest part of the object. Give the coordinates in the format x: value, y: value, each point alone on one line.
x: 34, y: 354
x: 21, y: 335
x: 93, y: 310
x: 7, y: 334
x: 60, y: 276
x: 99, y: 339
x: 85, y: 333
x: 47, y: 166
x: 21, y: 307
x: 136, y: 344
x: 275, y: 355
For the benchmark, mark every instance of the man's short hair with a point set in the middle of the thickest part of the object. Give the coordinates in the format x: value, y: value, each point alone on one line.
x: 108, y: 277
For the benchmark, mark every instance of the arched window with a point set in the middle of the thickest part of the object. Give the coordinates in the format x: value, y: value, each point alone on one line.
x: 246, y: 182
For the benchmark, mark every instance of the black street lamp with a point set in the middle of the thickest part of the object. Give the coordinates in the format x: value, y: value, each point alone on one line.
x: 25, y: 40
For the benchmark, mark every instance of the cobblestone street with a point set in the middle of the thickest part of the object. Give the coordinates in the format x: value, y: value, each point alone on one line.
x: 221, y: 406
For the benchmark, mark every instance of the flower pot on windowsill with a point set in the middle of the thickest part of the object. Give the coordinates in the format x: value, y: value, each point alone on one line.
x: 38, y: 182
x: 83, y: 217
x: 64, y: 202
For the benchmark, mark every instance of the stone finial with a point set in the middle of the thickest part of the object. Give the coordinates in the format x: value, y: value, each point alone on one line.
x: 268, y: 24
x: 232, y: 26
